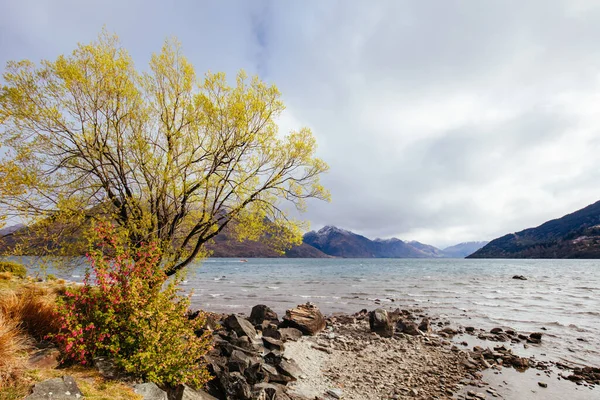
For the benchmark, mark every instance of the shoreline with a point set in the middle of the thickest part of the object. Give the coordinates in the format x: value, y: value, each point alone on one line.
x: 347, y: 360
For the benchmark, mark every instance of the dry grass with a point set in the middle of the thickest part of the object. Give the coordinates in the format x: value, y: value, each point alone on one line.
x: 13, y: 344
x: 89, y: 380
x: 6, y: 275
x: 32, y: 307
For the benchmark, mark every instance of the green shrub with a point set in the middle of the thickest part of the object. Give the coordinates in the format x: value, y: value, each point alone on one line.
x: 50, y: 277
x: 14, y: 268
x: 127, y: 311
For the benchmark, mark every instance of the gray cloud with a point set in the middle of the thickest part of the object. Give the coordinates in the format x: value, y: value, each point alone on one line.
x: 443, y: 121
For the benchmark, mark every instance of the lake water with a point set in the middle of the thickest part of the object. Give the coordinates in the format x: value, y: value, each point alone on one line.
x: 562, y: 296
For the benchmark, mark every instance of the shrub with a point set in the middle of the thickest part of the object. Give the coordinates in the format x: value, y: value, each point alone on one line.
x: 12, y: 344
x: 14, y: 268
x: 6, y: 276
x: 50, y: 277
x: 127, y: 311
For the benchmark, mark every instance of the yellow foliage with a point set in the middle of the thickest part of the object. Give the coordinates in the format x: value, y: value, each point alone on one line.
x: 166, y: 155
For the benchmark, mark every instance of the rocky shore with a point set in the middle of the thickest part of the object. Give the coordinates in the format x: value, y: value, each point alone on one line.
x: 378, y: 354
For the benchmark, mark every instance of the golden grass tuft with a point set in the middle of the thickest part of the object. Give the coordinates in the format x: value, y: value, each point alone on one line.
x: 13, y: 343
x: 33, y: 308
x: 6, y: 275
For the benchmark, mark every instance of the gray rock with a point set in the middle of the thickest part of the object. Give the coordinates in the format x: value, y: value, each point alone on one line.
x: 262, y: 313
x: 408, y: 328
x: 290, y: 369
x: 63, y: 388
x: 425, y: 325
x: 380, y: 323
x: 272, y: 344
x: 241, y: 326
x: 335, y: 393
x: 272, y: 332
x: 107, y: 368
x: 235, y: 386
x: 290, y: 334
x: 149, y: 391
x: 45, y: 358
x: 184, y: 392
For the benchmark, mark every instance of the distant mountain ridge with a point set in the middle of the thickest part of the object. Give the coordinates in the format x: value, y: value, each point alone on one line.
x: 576, y: 235
x: 329, y: 241
x: 462, y: 250
x: 339, y: 242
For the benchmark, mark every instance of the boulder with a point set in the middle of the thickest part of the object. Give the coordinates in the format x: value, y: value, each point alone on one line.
x: 262, y: 313
x: 272, y: 344
x: 235, y: 386
x: 290, y: 369
x: 519, y: 277
x: 45, y: 358
x: 272, y: 332
x: 149, y: 391
x: 290, y: 334
x: 425, y: 325
x: 496, y: 331
x: 107, y: 368
x: 184, y: 392
x: 241, y: 326
x: 535, y: 337
x: 63, y: 388
x: 408, y: 328
x: 305, y: 317
x: 380, y: 323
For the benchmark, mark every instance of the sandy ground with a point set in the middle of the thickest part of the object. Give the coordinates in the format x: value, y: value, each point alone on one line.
x: 355, y: 364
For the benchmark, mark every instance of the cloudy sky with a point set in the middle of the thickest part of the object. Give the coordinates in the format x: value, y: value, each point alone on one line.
x: 442, y: 121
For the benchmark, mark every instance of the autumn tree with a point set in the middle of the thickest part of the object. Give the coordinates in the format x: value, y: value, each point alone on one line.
x: 167, y: 157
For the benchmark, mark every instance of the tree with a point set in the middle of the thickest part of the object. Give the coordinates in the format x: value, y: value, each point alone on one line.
x: 167, y: 157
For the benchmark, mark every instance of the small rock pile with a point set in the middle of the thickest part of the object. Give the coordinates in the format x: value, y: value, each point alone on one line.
x: 248, y: 360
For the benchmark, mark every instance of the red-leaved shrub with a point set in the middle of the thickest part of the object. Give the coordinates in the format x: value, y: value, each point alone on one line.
x: 128, y: 311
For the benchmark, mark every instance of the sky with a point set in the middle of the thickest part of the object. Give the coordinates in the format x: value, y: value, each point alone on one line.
x: 442, y: 121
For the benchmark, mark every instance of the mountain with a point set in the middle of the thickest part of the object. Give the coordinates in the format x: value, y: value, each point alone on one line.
x: 342, y: 243
x: 462, y: 250
x: 427, y: 249
x: 575, y: 235
x: 224, y: 245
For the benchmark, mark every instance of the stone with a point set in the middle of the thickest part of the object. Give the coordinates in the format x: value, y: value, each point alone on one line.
x: 425, y: 325
x: 272, y: 332
x: 408, y: 328
x: 63, y: 388
x: 536, y: 336
x: 273, y: 344
x: 450, y: 331
x: 305, y: 317
x: 519, y: 277
x: 289, y: 368
x: 262, y: 313
x: 496, y: 331
x: 107, y: 368
x: 335, y: 393
x: 150, y: 391
x: 381, y: 323
x: 241, y: 326
x: 542, y: 384
x: 235, y: 386
x: 290, y: 334
x: 184, y: 392
x: 470, y: 329
x: 45, y: 358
